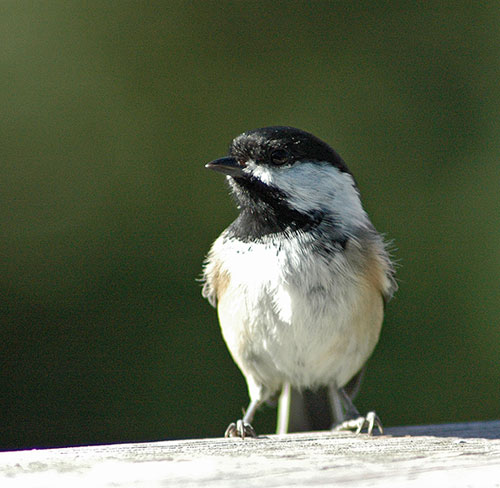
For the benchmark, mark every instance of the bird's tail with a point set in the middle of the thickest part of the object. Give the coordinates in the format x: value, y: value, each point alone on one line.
x: 310, y: 410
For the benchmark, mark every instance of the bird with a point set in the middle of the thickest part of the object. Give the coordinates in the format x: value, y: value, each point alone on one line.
x: 301, y: 278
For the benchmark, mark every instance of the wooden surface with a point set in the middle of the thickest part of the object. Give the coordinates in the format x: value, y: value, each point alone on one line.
x: 449, y: 455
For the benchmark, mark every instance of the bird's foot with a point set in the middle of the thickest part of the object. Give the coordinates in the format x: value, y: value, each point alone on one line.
x: 240, y: 429
x: 370, y: 421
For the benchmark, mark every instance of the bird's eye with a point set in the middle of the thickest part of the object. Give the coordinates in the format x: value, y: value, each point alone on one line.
x: 279, y: 157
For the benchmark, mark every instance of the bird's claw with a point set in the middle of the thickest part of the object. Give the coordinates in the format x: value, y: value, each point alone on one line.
x: 370, y: 421
x: 240, y: 429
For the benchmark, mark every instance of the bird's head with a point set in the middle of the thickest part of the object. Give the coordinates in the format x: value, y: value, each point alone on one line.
x: 287, y: 178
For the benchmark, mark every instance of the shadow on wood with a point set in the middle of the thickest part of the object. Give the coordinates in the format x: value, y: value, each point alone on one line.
x: 483, y: 430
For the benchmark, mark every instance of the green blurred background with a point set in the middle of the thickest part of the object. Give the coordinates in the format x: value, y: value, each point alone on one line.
x: 108, y: 112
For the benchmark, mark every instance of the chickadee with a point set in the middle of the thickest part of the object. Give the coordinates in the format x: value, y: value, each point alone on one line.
x: 301, y: 277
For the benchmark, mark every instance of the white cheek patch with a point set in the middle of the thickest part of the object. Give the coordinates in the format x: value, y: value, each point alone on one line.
x: 313, y: 187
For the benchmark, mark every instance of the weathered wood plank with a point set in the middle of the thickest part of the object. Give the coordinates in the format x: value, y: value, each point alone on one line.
x: 451, y: 455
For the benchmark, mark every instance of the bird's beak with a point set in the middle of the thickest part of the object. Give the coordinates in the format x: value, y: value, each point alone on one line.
x: 228, y: 166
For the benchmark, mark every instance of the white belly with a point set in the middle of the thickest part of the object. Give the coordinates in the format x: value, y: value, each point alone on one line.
x: 287, y: 317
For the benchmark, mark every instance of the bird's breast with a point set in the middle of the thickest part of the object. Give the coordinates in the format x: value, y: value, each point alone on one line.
x: 289, y: 314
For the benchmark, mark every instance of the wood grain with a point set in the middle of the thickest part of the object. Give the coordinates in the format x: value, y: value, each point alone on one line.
x: 448, y: 455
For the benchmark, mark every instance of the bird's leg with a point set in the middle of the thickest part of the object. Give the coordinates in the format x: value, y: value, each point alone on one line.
x: 353, y: 419
x: 243, y: 428
x: 336, y: 405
